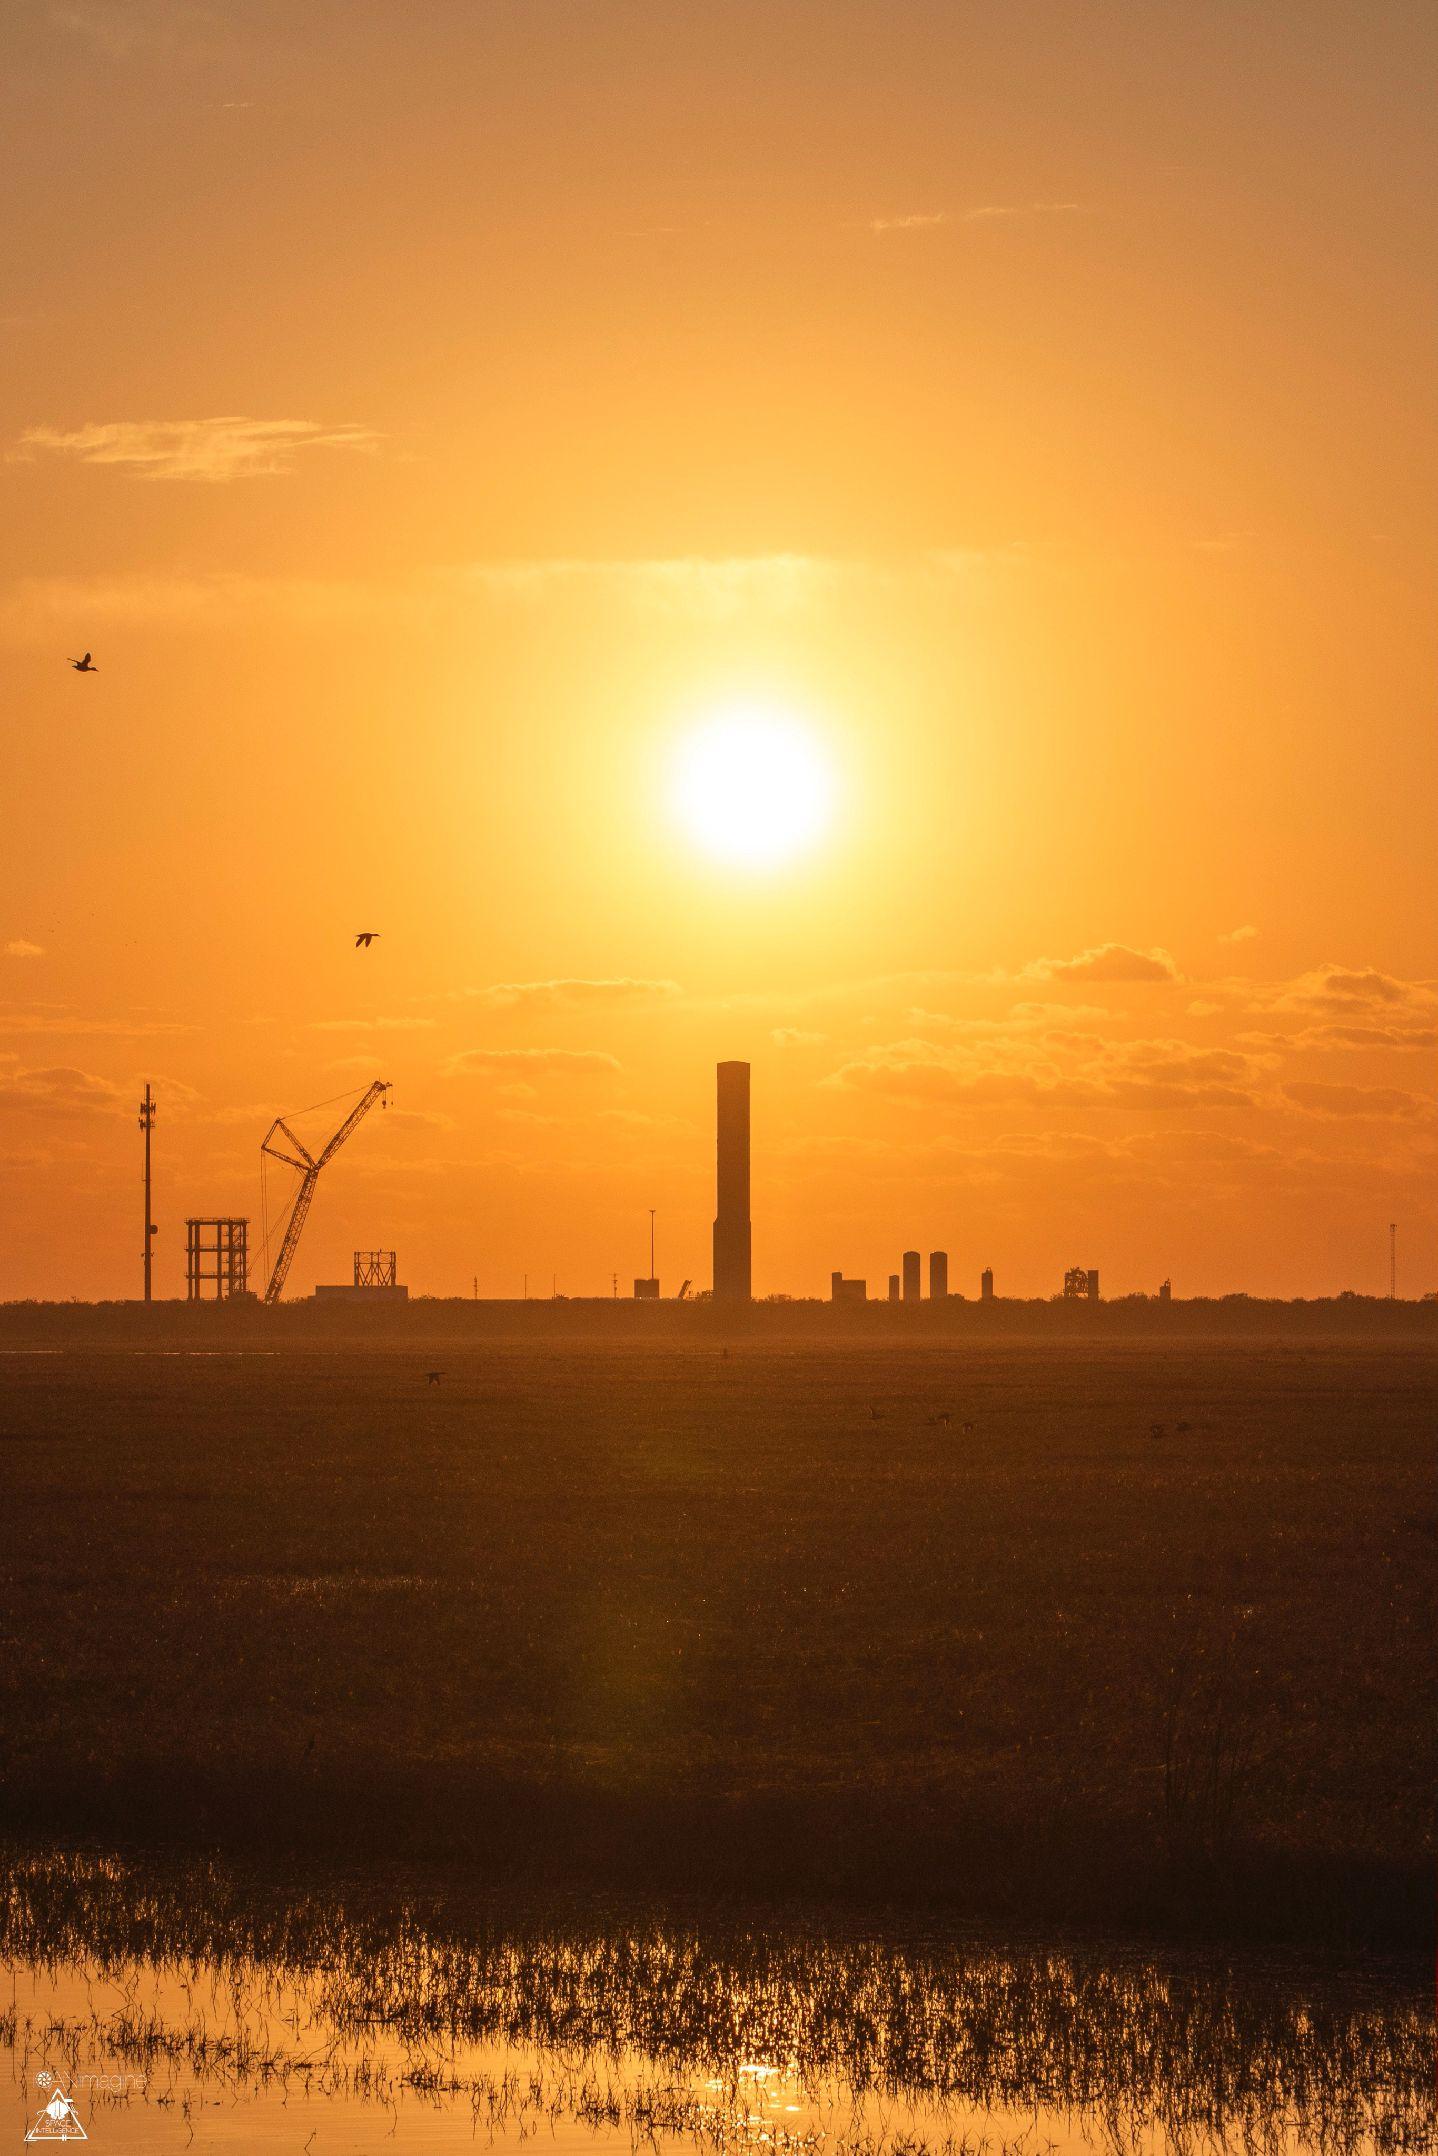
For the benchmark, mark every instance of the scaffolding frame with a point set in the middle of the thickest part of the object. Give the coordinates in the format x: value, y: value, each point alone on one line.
x: 376, y: 1269
x: 217, y: 1258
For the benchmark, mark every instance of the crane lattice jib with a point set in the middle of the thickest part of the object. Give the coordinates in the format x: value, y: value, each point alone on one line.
x: 309, y: 1166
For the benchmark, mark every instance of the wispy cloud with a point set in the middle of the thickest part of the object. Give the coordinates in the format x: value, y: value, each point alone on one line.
x: 21, y: 947
x: 569, y: 994
x: 681, y: 587
x: 33, y: 607
x: 989, y: 212
x: 1352, y: 991
x: 59, y: 1089
x: 28, y: 1020
x: 1245, y: 934
x: 1317, y: 1097
x: 915, y: 221
x: 122, y: 29
x: 1060, y: 1070
x: 978, y: 214
x: 710, y: 587
x: 1339, y: 1036
x: 373, y: 1025
x: 527, y: 1062
x: 213, y: 450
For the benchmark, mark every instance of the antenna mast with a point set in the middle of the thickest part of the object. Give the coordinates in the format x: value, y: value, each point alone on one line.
x: 147, y: 1124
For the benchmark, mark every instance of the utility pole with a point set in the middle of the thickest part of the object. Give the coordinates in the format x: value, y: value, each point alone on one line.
x: 147, y: 1124
x: 651, y: 1242
x: 476, y: 1287
x: 1392, y: 1261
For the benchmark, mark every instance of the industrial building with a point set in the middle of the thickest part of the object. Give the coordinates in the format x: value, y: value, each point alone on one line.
x: 938, y: 1276
x: 646, y: 1291
x: 986, y: 1284
x: 374, y: 1281
x: 913, y: 1276
x: 893, y: 1287
x: 733, y: 1235
x: 1081, y: 1283
x: 847, y: 1291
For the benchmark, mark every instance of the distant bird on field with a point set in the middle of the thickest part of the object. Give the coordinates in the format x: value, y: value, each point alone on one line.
x: 874, y: 1415
x: 366, y: 937
x: 1157, y: 1429
x: 935, y: 1420
x: 85, y: 665
x: 968, y: 1429
x: 433, y: 1377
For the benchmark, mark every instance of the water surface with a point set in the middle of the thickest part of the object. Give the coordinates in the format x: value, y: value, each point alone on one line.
x: 187, y: 2010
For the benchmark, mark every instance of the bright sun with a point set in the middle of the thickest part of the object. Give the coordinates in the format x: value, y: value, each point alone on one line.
x: 751, y: 786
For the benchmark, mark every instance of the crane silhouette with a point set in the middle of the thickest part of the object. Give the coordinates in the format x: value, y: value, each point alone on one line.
x: 309, y: 1165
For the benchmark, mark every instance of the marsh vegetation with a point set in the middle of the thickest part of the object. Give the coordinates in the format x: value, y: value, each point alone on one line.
x: 1131, y: 1634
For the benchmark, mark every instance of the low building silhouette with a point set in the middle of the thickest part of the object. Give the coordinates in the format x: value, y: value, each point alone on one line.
x: 847, y: 1291
x: 376, y: 1280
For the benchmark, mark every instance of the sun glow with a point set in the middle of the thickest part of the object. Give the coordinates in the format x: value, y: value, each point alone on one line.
x: 752, y: 786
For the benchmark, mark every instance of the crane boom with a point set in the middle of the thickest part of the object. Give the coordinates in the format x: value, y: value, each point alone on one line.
x: 309, y: 1167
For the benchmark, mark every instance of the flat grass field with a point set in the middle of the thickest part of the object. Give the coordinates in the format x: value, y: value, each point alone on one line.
x: 1140, y: 1632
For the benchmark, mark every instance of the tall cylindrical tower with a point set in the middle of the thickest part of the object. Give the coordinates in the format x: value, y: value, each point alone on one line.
x: 733, y: 1277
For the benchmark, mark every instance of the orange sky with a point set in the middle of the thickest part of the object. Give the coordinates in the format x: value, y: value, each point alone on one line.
x: 426, y: 412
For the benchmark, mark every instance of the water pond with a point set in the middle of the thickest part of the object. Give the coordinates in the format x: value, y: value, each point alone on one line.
x: 187, y: 2011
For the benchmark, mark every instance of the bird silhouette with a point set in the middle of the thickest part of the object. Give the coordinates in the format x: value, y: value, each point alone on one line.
x: 366, y: 937
x: 433, y: 1376
x: 85, y: 665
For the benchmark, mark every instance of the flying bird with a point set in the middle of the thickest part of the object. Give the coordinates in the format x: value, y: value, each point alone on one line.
x: 366, y: 937
x: 85, y: 665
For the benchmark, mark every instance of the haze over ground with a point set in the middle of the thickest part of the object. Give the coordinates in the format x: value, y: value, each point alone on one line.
x: 429, y: 415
